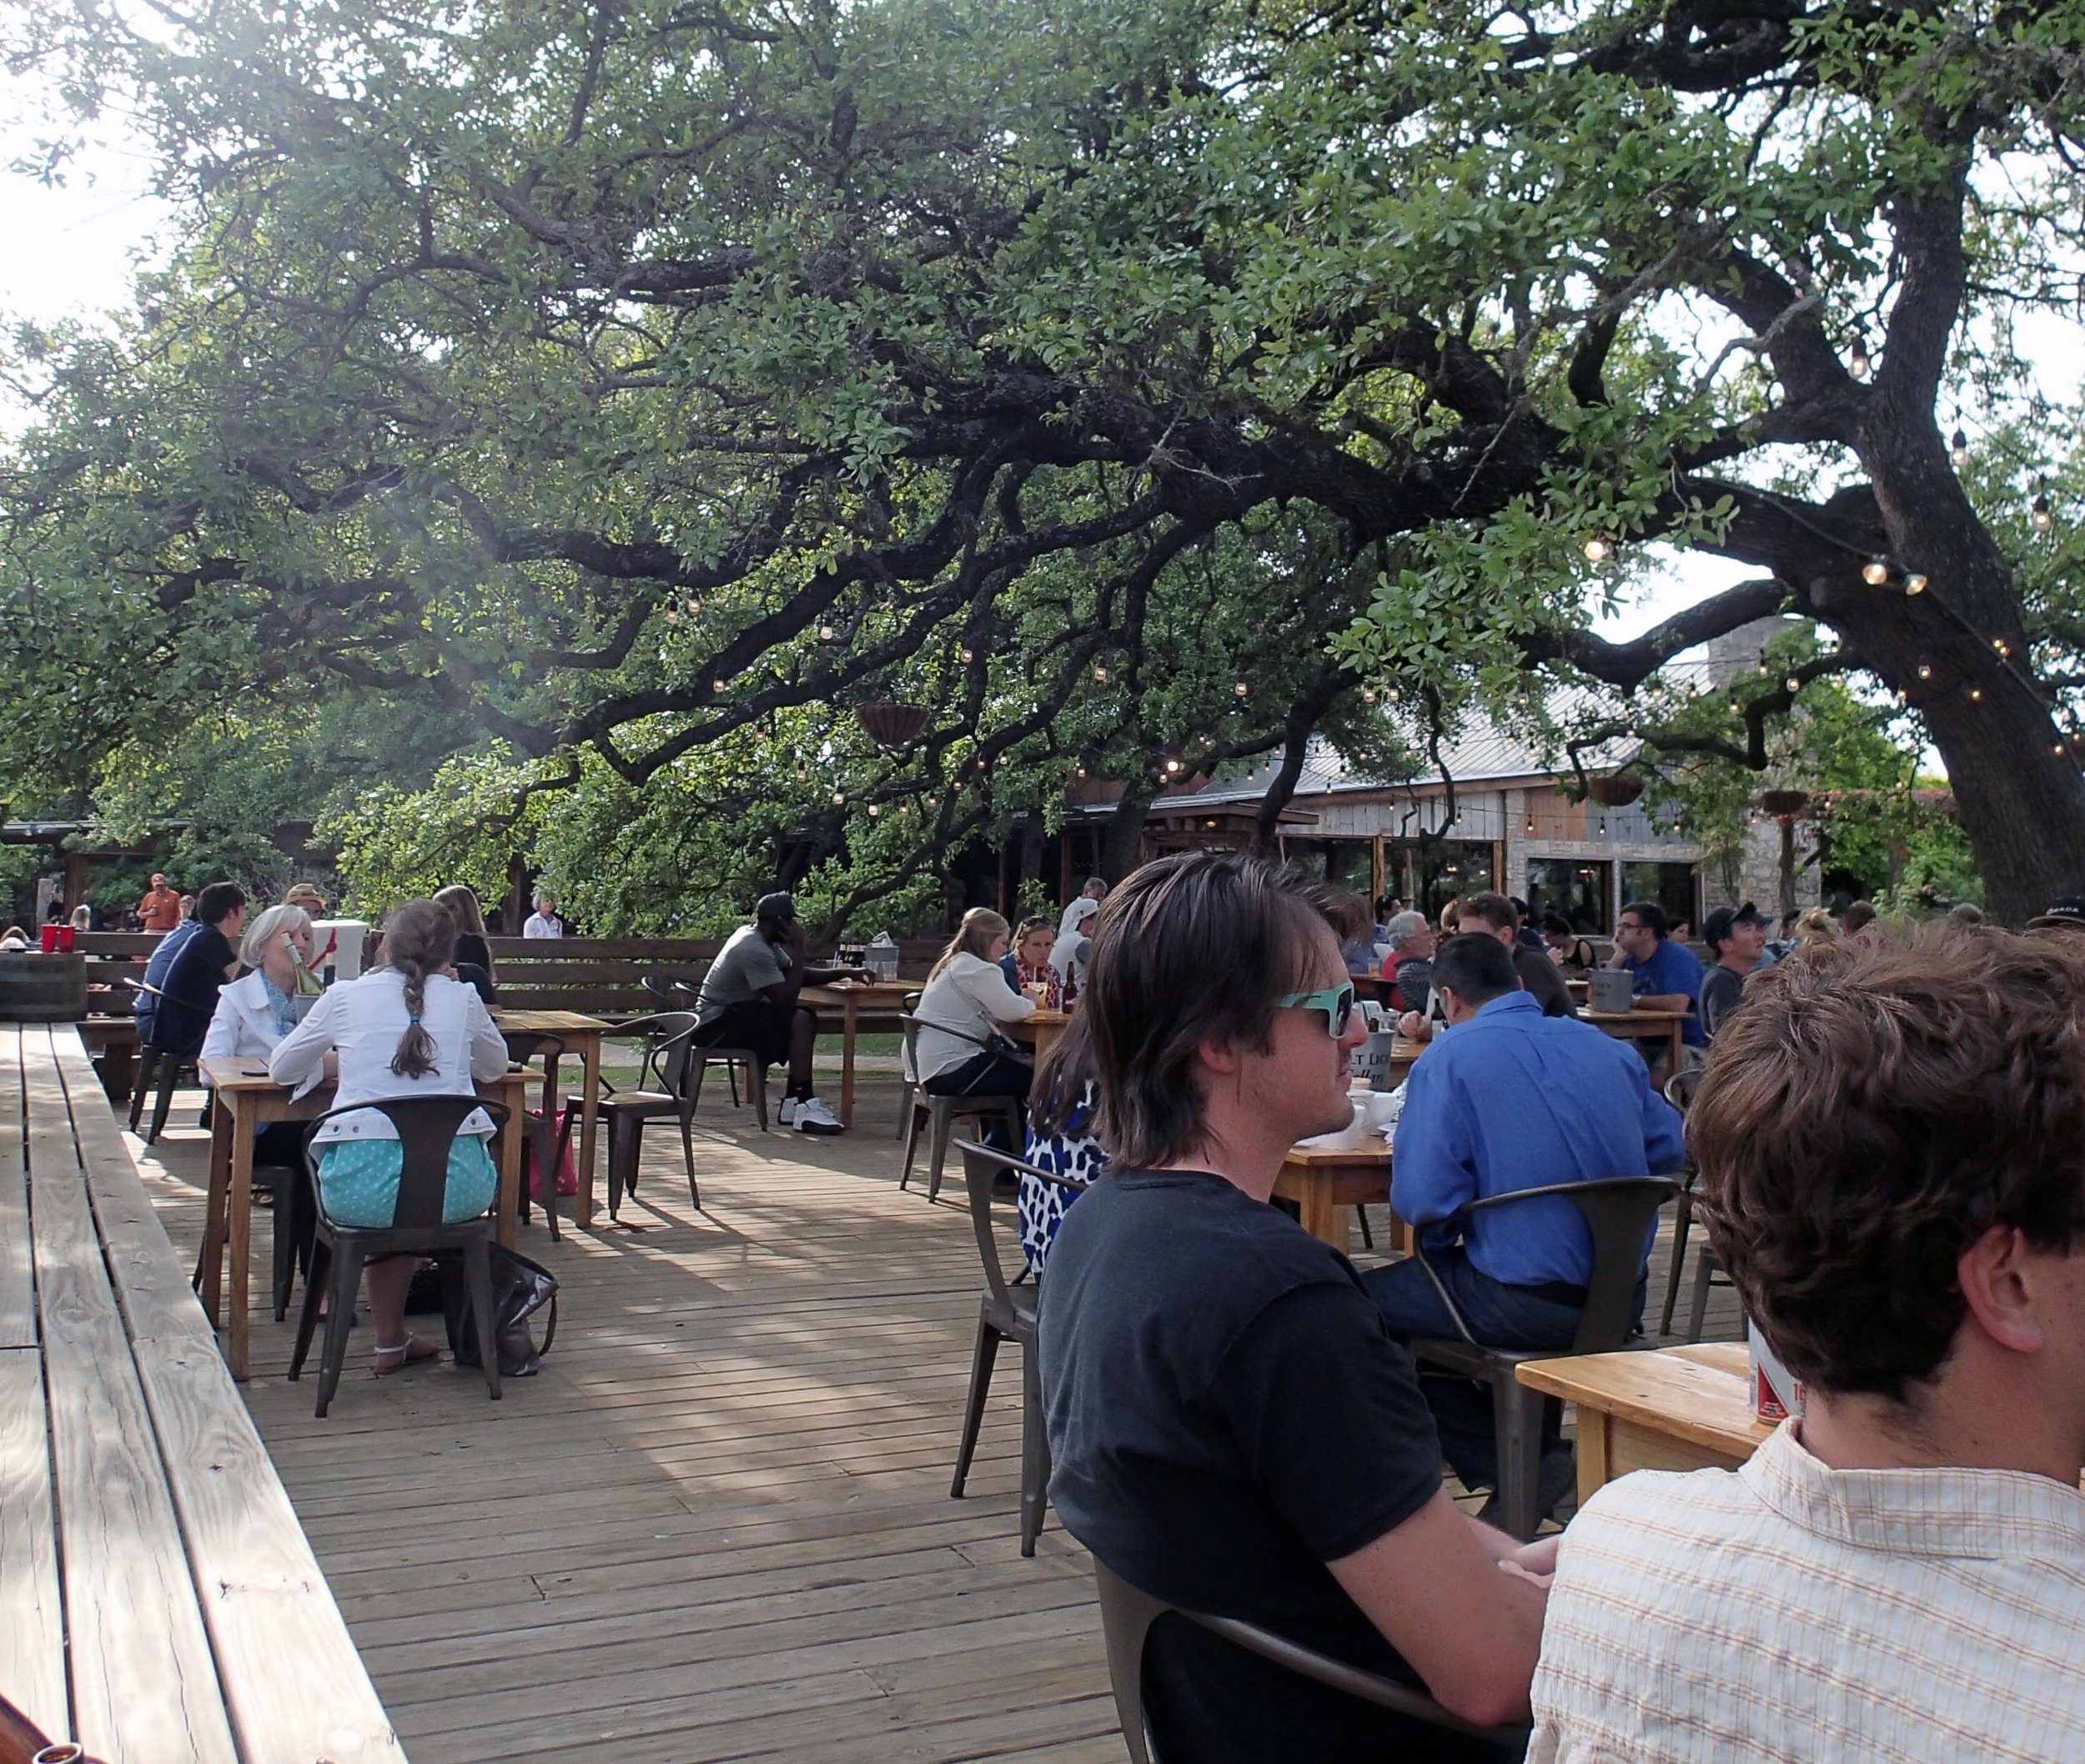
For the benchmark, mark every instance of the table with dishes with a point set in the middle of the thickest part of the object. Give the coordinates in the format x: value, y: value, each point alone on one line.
x: 246, y: 1099
x: 854, y: 999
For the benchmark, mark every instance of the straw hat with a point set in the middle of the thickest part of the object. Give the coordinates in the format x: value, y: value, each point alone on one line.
x: 306, y: 895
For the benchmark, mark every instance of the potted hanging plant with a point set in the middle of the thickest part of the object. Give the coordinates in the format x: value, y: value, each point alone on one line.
x: 892, y: 725
x: 1614, y: 789
x: 1784, y: 801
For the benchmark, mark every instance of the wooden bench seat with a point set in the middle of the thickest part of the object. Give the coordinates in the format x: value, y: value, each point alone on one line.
x: 158, y: 1597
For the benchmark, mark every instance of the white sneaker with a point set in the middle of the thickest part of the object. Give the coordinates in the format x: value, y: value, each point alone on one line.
x: 812, y: 1116
x: 786, y: 1112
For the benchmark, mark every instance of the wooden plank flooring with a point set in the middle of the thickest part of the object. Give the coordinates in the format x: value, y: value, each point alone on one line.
x: 717, y: 1526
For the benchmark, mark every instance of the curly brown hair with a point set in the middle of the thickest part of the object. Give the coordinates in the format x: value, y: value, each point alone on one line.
x: 1875, y: 1109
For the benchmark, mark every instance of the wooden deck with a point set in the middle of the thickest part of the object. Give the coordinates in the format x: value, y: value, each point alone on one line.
x: 717, y: 1526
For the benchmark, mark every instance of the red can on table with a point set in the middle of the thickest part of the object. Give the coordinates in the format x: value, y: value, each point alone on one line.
x: 49, y: 938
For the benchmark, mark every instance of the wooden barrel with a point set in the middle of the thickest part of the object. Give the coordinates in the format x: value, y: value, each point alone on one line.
x: 35, y: 987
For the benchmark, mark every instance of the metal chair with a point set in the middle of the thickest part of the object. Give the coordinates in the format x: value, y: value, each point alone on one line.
x: 1126, y: 1617
x: 907, y: 1083
x: 1679, y: 1090
x: 1619, y: 1211
x: 668, y: 1080
x: 939, y: 1113
x: 543, y: 1144
x: 1005, y: 1312
x: 684, y: 993
x: 426, y: 1128
x: 160, y: 1070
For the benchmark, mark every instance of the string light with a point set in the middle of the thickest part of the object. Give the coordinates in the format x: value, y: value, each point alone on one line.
x: 1100, y: 671
x: 1857, y: 359
x: 965, y: 655
x: 1171, y: 764
x: 1958, y: 450
x: 1975, y: 695
x: 1999, y: 644
x: 1603, y: 826
x: 1793, y: 684
x: 1241, y: 689
x: 874, y: 810
x: 1915, y: 583
x: 716, y: 686
x: 1599, y: 549
x: 1393, y: 695
x: 839, y: 798
x: 672, y: 617
x: 824, y: 633
x: 1925, y: 670
x: 1875, y: 571
x: 2039, y: 514
x: 695, y: 605
x: 1368, y: 695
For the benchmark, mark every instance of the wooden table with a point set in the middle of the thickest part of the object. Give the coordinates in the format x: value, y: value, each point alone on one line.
x: 1040, y: 1031
x: 247, y: 1099
x: 158, y: 1598
x: 854, y: 999
x: 582, y: 1035
x: 1678, y: 1408
x: 1323, y: 1184
x: 1642, y: 1025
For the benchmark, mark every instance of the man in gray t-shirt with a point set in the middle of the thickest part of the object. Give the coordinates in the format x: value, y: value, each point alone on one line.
x: 749, y: 1001
x: 1736, y: 939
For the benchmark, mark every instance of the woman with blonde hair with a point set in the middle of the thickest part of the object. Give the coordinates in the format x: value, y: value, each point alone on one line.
x: 406, y: 1028
x: 960, y: 1014
x: 474, y: 954
x: 1814, y: 929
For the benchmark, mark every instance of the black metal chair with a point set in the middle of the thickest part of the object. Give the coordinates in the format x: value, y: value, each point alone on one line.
x: 939, y: 1114
x: 1679, y: 1090
x: 427, y: 1127
x: 1126, y: 1617
x: 1619, y: 1211
x: 668, y: 1081
x: 160, y: 1070
x: 543, y: 1145
x: 1005, y: 1312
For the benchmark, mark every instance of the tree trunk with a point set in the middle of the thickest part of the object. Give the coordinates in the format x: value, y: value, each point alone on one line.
x: 1121, y: 844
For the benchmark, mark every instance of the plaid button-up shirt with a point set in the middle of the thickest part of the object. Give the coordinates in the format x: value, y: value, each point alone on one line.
x: 1788, y: 1610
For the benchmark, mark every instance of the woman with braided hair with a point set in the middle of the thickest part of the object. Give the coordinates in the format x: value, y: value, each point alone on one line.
x: 406, y: 1028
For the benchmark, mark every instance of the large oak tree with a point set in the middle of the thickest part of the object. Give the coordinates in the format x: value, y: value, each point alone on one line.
x: 631, y: 376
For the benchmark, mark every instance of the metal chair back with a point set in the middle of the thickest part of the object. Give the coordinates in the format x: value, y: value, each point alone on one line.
x: 426, y: 1127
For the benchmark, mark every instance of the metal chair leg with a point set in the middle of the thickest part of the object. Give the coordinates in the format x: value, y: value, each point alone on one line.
x: 478, y: 1277
x: 162, y: 1098
x: 148, y: 1071
x: 981, y: 1358
x: 1704, y: 1266
x: 911, y: 1138
x: 1517, y: 1417
x: 1035, y: 1452
x: 937, y: 1151
x: 1682, y: 1223
x: 346, y: 1282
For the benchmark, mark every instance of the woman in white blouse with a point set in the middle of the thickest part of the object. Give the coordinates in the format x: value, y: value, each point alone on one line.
x: 406, y: 1028
x: 966, y: 1001
x: 257, y: 1010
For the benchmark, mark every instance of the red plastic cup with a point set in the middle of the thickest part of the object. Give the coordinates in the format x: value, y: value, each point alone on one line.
x: 65, y: 937
x: 49, y: 939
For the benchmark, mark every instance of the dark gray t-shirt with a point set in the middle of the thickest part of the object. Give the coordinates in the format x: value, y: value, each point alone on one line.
x: 747, y: 965
x: 1721, y: 989
x: 1226, y: 1415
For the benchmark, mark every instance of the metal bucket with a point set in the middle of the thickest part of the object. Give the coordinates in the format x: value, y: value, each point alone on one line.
x: 1611, y: 989
x: 1371, y: 1060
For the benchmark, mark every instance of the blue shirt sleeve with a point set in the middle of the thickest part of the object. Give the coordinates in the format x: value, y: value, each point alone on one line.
x: 1433, y: 1157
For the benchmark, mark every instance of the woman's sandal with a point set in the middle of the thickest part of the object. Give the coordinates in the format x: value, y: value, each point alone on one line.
x: 410, y: 1352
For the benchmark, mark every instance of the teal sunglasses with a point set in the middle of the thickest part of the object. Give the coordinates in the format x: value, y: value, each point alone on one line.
x: 1336, y: 1001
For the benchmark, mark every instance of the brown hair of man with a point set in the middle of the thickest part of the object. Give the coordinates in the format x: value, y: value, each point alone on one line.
x: 1193, y: 947
x: 1876, y: 1108
x: 1495, y: 910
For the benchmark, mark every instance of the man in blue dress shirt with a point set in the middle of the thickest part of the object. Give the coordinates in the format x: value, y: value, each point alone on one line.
x: 1506, y: 1099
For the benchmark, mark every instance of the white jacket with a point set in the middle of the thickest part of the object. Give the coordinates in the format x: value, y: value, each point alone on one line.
x: 244, y: 1027
x: 971, y: 995
x: 363, y: 1020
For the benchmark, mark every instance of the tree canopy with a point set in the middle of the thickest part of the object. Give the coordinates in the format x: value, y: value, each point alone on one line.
x: 650, y: 383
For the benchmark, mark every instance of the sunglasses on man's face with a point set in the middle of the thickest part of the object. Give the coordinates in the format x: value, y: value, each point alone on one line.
x: 1336, y: 1001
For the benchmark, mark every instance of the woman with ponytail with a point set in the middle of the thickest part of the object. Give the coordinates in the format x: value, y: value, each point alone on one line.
x: 406, y: 1028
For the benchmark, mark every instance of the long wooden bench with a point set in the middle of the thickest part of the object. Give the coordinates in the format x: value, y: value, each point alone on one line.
x: 159, y: 1600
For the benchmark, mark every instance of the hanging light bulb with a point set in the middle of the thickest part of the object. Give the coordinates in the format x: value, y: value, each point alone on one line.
x: 1914, y: 583
x: 1765, y: 667
x: 1368, y: 695
x: 1876, y: 571
x: 1857, y: 357
x: 1999, y: 644
x: 966, y: 657
x: 695, y: 605
x: 672, y: 617
x: 1599, y: 549
x: 1100, y: 671
x: 2039, y: 512
x: 1793, y: 684
x: 1529, y: 827
x: 1975, y: 695
x: 1081, y: 772
x: 1393, y: 695
x: 716, y: 686
x: 839, y: 797
x: 874, y: 810
x: 1958, y: 450
x: 1171, y: 764
x: 1925, y: 670
x: 1241, y: 689
x: 1603, y: 826
x: 826, y: 632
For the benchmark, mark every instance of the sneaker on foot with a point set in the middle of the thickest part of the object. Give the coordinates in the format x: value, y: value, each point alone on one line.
x: 812, y: 1116
x: 786, y: 1112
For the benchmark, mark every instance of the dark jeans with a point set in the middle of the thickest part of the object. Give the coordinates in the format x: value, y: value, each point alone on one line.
x: 987, y: 1073
x: 1500, y: 1316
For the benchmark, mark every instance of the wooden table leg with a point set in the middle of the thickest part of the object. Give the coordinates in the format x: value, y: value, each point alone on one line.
x: 589, y: 1113
x: 848, y: 1024
x: 1672, y: 1051
x: 1592, y: 1453
x: 507, y: 1220
x: 224, y: 1118
x: 1323, y: 1216
x: 240, y: 1206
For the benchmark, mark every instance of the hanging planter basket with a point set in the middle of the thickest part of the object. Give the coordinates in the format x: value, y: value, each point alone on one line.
x: 892, y: 725
x: 1614, y: 790
x: 1784, y: 801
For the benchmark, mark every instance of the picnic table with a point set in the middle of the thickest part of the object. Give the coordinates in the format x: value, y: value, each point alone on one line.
x: 247, y: 1099
x: 1642, y: 1025
x: 158, y: 1598
x: 879, y: 1000
x: 581, y: 1034
x: 1677, y: 1409
x: 1324, y: 1184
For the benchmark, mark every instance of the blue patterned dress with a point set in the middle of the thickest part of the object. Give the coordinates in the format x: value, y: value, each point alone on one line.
x: 1075, y: 1155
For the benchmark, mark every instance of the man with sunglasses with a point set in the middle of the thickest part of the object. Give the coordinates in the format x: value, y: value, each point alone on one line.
x: 1233, y: 1429
x: 1508, y: 1099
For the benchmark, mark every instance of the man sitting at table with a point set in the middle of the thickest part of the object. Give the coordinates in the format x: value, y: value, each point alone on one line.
x: 206, y: 959
x: 1891, y: 1143
x: 1737, y: 937
x: 749, y: 1000
x: 1509, y: 1100
x: 1233, y: 1430
x: 1494, y: 914
x: 1668, y: 974
x: 1409, y: 967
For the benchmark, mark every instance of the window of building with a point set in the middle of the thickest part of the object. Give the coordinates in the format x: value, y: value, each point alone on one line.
x: 1577, y: 890
x: 1676, y: 887
x: 1448, y: 868
x: 1344, y: 863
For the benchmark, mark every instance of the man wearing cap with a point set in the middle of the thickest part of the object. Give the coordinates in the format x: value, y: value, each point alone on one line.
x: 1737, y: 939
x: 160, y: 910
x: 2067, y: 913
x: 749, y: 1000
x: 307, y: 895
